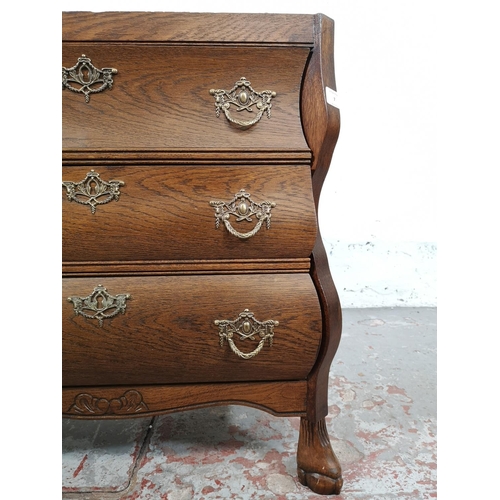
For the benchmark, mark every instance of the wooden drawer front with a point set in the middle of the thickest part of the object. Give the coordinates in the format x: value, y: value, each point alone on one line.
x: 167, y: 333
x: 164, y: 213
x: 160, y: 98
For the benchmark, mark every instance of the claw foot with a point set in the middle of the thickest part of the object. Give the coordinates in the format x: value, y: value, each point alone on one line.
x: 317, y: 465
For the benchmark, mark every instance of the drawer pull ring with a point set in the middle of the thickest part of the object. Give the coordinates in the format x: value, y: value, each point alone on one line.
x: 243, y: 208
x: 246, y: 327
x: 93, y: 190
x: 100, y: 304
x: 243, y: 97
x: 85, y: 74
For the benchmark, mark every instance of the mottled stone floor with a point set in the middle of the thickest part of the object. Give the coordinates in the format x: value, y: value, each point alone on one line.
x: 382, y: 424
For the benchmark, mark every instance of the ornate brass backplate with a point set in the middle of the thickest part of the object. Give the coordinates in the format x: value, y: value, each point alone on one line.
x: 243, y: 97
x: 246, y: 327
x: 93, y: 190
x: 90, y: 79
x: 100, y: 305
x: 243, y: 208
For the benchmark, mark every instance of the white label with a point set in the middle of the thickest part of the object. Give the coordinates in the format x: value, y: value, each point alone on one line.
x: 332, y: 97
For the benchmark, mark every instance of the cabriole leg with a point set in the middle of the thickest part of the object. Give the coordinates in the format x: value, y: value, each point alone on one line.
x: 317, y: 465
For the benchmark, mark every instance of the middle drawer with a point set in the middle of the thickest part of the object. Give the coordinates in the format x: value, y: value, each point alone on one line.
x: 133, y: 213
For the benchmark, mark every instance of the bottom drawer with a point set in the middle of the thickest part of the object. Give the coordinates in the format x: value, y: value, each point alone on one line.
x: 189, y: 329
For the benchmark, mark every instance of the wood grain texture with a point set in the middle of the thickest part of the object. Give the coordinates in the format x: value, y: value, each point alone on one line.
x: 191, y: 267
x: 278, y: 398
x: 321, y: 120
x: 321, y: 127
x: 167, y: 333
x: 164, y: 214
x: 161, y: 98
x: 221, y: 156
x: 317, y: 466
x: 187, y: 27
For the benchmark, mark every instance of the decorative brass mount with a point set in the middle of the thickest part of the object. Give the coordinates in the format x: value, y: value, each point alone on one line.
x: 243, y: 97
x: 85, y: 74
x: 100, y: 304
x: 247, y: 327
x: 243, y: 208
x: 93, y: 190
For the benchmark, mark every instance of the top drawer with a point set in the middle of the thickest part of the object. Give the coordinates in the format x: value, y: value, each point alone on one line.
x: 160, y: 98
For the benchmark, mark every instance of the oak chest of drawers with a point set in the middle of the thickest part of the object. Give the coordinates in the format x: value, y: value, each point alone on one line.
x: 194, y: 151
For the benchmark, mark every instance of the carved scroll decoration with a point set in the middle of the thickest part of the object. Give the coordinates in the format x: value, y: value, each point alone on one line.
x: 85, y: 74
x: 246, y: 327
x: 130, y: 402
x: 243, y: 97
x: 100, y: 304
x: 243, y: 208
x: 93, y: 190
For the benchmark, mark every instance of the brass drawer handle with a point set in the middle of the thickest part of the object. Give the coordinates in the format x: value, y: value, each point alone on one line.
x: 85, y: 74
x: 93, y: 190
x: 100, y: 305
x: 243, y: 97
x: 243, y: 208
x: 247, y: 328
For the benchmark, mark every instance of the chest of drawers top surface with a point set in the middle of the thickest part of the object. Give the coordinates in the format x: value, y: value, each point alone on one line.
x: 293, y: 29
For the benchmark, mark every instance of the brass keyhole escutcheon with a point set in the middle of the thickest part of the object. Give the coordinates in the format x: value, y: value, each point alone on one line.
x: 88, y: 79
x: 93, y: 191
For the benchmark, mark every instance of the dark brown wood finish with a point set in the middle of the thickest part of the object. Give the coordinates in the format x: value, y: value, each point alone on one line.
x: 157, y: 131
x: 321, y: 126
x: 317, y: 465
x: 219, y: 157
x: 268, y: 29
x: 161, y: 98
x: 278, y: 398
x: 181, y: 267
x: 165, y: 214
x: 167, y: 333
